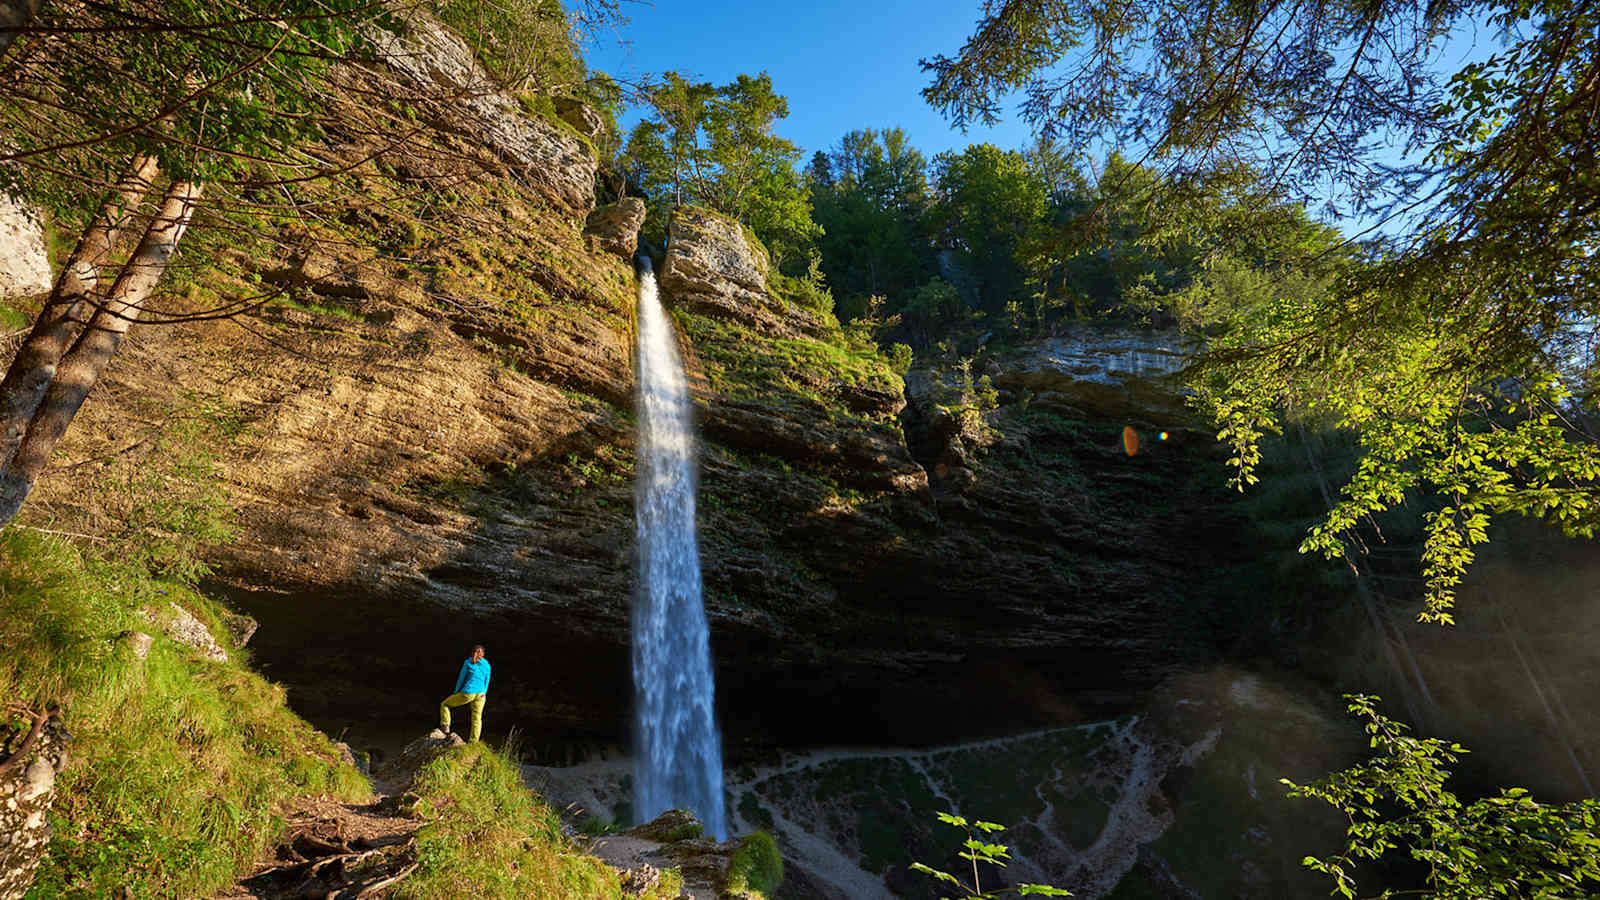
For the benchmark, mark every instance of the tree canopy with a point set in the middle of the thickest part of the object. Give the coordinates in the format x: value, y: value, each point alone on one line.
x: 1458, y: 351
x: 714, y: 146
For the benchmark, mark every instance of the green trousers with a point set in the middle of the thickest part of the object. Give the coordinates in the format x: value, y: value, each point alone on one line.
x: 476, y: 700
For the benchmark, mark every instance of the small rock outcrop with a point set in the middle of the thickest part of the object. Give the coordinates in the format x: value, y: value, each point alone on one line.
x: 137, y: 642
x: 615, y: 226
x: 402, y: 770
x: 1103, y: 372
x: 434, y: 58
x: 714, y: 269
x: 709, y: 254
x: 581, y: 116
x: 24, y: 265
x: 28, y: 769
x: 181, y: 625
x: 672, y: 840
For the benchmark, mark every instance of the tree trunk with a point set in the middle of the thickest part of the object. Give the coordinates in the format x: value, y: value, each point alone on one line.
x: 81, y: 368
x: 14, y: 15
x: 69, y: 305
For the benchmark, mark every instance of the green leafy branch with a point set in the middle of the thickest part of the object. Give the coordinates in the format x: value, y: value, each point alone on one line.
x: 978, y: 851
x: 1503, y: 846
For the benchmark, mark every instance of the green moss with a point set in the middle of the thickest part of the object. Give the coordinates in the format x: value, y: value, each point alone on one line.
x: 688, y: 831
x: 756, y: 869
x: 13, y: 319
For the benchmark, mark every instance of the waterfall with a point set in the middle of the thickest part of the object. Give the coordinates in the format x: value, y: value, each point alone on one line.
x: 678, y: 756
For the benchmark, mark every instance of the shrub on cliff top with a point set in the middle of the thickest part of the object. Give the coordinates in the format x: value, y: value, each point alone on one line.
x: 178, y: 762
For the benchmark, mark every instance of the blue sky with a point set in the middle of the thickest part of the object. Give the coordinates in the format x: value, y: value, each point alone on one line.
x: 843, y: 65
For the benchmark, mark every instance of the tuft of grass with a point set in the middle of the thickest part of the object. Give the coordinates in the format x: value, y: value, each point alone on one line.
x: 756, y: 868
x: 688, y: 831
x: 485, y: 835
x: 178, y: 764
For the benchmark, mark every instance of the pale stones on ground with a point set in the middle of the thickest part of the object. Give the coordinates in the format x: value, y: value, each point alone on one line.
x: 24, y: 264
x: 615, y: 227
x: 637, y: 881
x: 27, y: 791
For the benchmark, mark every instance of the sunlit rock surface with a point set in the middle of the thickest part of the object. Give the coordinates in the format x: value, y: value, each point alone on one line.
x: 24, y: 265
x: 1102, y: 372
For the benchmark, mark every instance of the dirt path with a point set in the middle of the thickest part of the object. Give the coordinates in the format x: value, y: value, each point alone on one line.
x: 336, y: 851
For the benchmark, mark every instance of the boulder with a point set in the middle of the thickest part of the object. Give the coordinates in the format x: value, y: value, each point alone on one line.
x: 615, y: 227
x: 241, y: 627
x: 24, y: 265
x: 709, y: 254
x: 581, y: 116
x: 181, y: 625
x: 138, y: 642
x: 27, y: 791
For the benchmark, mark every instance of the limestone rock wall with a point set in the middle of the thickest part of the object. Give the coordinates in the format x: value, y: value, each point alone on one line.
x: 24, y: 265
x: 434, y: 58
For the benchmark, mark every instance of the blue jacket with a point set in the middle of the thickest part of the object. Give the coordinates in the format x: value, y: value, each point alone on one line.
x: 474, y: 679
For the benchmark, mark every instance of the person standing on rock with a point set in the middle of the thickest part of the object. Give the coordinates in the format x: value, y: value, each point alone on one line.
x: 472, y: 686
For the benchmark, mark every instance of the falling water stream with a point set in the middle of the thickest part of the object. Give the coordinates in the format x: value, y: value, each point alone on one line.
x: 678, y: 756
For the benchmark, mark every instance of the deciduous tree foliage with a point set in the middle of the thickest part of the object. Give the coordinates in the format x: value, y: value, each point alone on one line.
x: 1398, y: 803
x: 871, y: 198
x: 714, y: 147
x: 1460, y: 353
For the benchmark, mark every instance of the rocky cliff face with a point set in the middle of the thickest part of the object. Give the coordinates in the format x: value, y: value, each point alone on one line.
x: 427, y: 443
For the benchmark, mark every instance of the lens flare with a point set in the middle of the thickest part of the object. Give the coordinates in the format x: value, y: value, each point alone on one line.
x: 1162, y: 436
x: 1130, y: 441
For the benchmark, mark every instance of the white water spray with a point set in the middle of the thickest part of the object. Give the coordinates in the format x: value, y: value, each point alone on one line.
x: 678, y: 760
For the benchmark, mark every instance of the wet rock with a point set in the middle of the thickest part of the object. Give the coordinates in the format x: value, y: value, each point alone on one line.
x: 616, y: 226
x: 27, y: 792
x: 24, y: 265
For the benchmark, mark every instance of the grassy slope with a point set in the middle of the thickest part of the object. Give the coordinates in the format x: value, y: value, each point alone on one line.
x: 485, y: 835
x: 178, y: 763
